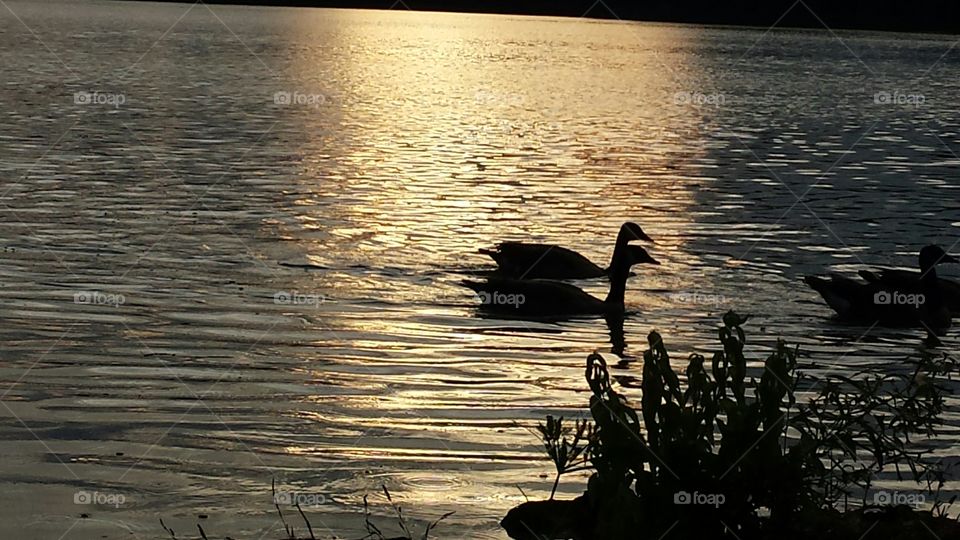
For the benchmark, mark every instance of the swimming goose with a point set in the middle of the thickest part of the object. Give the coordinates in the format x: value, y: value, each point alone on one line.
x: 895, y: 278
x: 523, y: 260
x: 545, y: 298
x: 890, y: 304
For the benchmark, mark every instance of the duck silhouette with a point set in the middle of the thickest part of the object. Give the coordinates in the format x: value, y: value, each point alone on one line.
x: 548, y: 298
x: 891, y: 303
x: 523, y: 260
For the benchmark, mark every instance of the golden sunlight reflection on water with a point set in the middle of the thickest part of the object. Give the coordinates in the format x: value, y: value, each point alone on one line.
x: 292, y: 274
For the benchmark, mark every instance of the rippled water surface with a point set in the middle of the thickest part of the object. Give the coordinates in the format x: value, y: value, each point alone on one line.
x: 203, y: 289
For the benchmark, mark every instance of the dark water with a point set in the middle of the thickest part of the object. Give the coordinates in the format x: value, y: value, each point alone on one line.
x: 204, y: 287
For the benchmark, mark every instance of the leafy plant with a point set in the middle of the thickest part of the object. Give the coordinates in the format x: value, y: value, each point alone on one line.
x: 567, y: 455
x: 718, y: 455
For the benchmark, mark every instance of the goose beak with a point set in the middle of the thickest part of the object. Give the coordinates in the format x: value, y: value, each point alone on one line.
x: 638, y: 234
x: 950, y: 259
x: 651, y: 260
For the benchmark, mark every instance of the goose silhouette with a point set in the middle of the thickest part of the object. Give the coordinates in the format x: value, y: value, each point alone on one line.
x: 523, y: 260
x: 548, y: 298
x: 891, y: 278
x: 892, y: 303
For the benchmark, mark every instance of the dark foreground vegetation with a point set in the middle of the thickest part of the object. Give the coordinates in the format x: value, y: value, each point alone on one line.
x: 373, y: 532
x: 719, y: 456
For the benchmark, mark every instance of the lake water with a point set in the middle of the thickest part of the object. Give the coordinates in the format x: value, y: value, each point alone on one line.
x: 206, y: 285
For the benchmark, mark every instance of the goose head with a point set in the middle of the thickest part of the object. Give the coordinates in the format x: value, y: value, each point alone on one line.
x: 931, y: 256
x: 630, y: 256
x: 620, y: 271
x: 638, y: 255
x: 632, y: 231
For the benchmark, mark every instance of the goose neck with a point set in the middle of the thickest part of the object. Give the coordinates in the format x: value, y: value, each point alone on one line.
x: 623, y: 238
x: 618, y: 287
